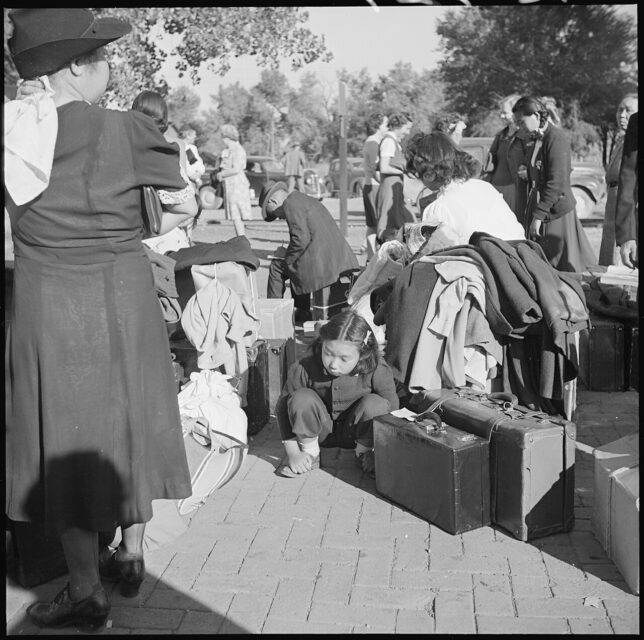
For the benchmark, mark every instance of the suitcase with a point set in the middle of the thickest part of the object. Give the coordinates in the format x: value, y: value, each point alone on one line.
x: 532, y: 458
x: 281, y: 355
x: 601, y: 355
x: 276, y: 317
x: 631, y: 361
x: 32, y: 558
x: 328, y: 301
x: 441, y: 474
x: 257, y: 393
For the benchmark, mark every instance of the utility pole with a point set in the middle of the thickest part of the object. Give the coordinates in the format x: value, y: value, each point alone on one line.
x: 342, y: 113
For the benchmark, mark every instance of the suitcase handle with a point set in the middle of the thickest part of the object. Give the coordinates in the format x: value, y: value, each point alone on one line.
x: 431, y: 415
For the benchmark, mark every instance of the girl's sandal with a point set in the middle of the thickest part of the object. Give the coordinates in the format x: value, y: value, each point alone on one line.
x: 287, y: 472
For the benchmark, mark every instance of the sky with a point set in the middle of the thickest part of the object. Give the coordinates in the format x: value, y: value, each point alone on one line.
x: 359, y: 37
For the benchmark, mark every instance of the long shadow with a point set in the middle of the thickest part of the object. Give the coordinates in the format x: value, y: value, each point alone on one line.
x: 159, y: 606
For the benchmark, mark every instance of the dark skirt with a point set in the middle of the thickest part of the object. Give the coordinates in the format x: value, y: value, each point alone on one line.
x: 566, y: 245
x: 390, y: 207
x: 93, y: 425
x: 369, y: 194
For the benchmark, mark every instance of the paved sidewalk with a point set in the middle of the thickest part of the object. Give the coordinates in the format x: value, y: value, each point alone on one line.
x: 326, y: 554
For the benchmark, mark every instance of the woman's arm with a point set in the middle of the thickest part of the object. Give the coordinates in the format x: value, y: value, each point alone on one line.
x: 387, y: 152
x: 556, y: 160
x: 384, y: 385
x: 238, y: 164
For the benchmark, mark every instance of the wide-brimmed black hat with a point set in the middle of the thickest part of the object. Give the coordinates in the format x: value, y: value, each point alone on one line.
x: 44, y: 40
x: 268, y: 189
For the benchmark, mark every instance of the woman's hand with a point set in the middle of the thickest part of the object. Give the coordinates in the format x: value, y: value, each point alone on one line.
x: 534, y: 231
x: 522, y: 172
x: 30, y: 88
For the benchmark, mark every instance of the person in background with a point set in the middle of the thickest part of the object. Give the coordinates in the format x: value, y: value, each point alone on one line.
x: 93, y: 431
x: 154, y: 105
x: 626, y: 215
x: 317, y: 253
x: 196, y: 167
x: 376, y: 127
x: 453, y: 124
x: 608, y: 252
x: 332, y: 395
x: 508, y: 152
x: 550, y: 214
x: 465, y: 204
x: 294, y: 165
x: 390, y: 200
x: 233, y: 175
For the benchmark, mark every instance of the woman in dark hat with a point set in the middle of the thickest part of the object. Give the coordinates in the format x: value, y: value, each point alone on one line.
x: 93, y: 425
x: 550, y: 216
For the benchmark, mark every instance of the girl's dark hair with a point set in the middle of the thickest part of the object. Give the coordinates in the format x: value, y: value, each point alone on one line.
x: 446, y: 122
x: 152, y: 104
x: 348, y: 325
x: 397, y: 120
x: 437, y: 153
x: 529, y: 105
x: 373, y: 122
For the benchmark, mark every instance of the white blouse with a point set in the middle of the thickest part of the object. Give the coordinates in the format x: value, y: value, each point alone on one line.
x: 473, y: 205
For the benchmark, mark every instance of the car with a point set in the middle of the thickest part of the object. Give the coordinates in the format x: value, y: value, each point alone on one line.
x: 355, y: 177
x: 259, y: 169
x: 587, y: 179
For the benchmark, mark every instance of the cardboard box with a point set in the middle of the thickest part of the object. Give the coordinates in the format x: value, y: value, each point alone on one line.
x: 276, y: 318
x: 624, y: 543
x: 612, y: 457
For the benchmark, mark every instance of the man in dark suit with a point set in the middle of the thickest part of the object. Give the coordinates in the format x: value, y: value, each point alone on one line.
x: 626, y: 213
x: 317, y: 253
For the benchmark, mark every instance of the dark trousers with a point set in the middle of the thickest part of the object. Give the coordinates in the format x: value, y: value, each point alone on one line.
x: 309, y: 418
x: 277, y: 277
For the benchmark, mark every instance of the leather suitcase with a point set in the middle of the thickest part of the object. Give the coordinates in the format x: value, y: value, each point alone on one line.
x: 602, y: 355
x: 631, y: 361
x: 441, y: 474
x: 257, y: 394
x: 328, y: 301
x: 281, y: 355
x: 532, y: 459
x: 32, y: 558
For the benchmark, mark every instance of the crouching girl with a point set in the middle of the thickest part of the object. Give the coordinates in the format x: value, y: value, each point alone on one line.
x: 332, y: 395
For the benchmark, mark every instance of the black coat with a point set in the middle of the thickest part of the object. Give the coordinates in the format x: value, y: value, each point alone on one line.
x: 626, y: 211
x: 551, y: 174
x: 317, y: 252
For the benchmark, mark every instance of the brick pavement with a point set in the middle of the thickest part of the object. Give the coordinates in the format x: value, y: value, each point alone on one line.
x: 326, y: 554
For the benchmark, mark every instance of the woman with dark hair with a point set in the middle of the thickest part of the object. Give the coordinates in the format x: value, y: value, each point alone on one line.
x: 464, y: 203
x: 93, y: 431
x: 390, y: 199
x: 550, y: 217
x: 376, y: 126
x: 508, y: 152
x: 453, y: 124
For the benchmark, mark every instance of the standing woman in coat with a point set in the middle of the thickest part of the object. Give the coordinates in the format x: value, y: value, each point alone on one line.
x: 236, y: 185
x: 551, y: 219
x: 93, y: 430
x: 508, y: 152
x: 608, y: 252
x: 390, y: 200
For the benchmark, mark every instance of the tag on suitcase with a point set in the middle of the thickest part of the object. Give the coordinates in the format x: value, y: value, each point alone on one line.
x: 438, y: 472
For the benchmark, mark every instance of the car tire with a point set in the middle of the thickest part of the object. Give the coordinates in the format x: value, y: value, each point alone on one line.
x: 209, y: 198
x: 356, y: 189
x: 585, y: 205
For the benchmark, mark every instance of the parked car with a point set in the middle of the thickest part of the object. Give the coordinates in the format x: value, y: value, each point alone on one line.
x: 355, y: 177
x: 587, y: 179
x: 259, y: 169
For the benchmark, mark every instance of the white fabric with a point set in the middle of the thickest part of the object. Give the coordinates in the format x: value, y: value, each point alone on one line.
x: 471, y: 206
x: 30, y: 130
x: 363, y: 308
x: 174, y: 240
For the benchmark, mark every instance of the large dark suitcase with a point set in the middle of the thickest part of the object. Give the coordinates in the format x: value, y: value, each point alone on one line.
x: 532, y: 459
x: 258, y: 393
x: 601, y: 355
x: 32, y: 558
x: 632, y: 359
x: 440, y: 474
x: 281, y: 355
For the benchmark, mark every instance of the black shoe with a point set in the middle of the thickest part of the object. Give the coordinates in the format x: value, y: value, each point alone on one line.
x: 300, y: 316
x: 128, y: 571
x: 88, y: 614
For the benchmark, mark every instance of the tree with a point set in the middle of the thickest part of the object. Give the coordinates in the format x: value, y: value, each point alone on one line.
x: 581, y: 55
x: 183, y: 108
x: 211, y: 36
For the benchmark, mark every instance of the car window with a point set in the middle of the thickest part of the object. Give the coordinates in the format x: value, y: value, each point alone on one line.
x: 254, y: 167
x: 335, y: 165
x: 273, y: 165
x: 357, y: 164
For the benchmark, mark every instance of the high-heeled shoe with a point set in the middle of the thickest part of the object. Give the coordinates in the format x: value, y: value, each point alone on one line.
x: 89, y: 614
x: 126, y: 569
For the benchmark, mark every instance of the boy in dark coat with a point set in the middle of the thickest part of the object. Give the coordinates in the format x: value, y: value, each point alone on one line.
x: 317, y: 253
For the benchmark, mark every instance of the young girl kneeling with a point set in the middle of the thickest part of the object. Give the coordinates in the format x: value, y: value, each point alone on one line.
x: 332, y: 395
